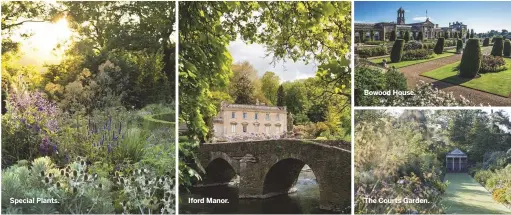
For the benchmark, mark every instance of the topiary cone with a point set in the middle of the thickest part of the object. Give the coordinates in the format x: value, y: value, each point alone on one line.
x: 486, y: 42
x: 507, y: 48
x: 471, y: 59
x: 498, y: 47
x: 459, y: 46
x: 439, y: 47
x: 397, y: 51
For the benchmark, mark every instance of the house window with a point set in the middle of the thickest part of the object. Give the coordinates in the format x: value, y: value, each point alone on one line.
x: 268, y: 116
x: 245, y: 115
x: 244, y: 128
x: 233, y: 128
x: 267, y: 129
x: 256, y: 116
x: 278, y: 129
x: 256, y: 128
x: 233, y: 115
x: 278, y: 116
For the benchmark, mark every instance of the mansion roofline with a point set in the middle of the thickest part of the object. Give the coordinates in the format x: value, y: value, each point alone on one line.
x: 257, y: 106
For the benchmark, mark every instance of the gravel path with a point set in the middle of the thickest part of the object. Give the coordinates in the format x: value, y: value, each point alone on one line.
x: 412, y: 74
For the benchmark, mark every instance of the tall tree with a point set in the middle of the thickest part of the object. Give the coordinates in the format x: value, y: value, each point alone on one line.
x: 281, y: 96
x: 269, y: 85
x: 243, y: 90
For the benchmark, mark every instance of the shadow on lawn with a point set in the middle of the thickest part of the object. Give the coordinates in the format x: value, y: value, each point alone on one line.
x: 459, y: 207
x: 450, y: 81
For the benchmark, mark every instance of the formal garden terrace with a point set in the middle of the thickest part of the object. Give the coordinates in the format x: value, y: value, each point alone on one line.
x: 443, y: 71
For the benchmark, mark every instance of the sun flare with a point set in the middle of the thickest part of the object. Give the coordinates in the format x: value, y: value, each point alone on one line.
x: 42, y: 46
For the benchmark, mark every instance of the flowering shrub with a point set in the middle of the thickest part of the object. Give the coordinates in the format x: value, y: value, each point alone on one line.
x: 417, y: 54
x: 491, y: 63
x: 427, y: 95
x: 413, y: 45
x: 28, y: 127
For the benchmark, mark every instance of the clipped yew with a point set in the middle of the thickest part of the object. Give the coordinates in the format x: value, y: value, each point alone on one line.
x: 486, y: 42
x: 439, y: 47
x: 393, y: 36
x: 397, y: 51
x: 471, y: 59
x: 459, y: 46
x: 507, y: 48
x: 498, y: 47
x: 420, y: 37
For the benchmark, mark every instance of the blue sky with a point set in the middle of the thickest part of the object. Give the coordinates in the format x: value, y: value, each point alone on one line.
x: 480, y: 16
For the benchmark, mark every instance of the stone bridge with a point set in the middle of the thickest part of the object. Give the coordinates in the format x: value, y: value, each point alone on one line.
x: 271, y: 167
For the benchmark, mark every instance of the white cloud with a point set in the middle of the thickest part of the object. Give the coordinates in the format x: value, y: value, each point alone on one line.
x: 255, y: 54
x: 421, y: 18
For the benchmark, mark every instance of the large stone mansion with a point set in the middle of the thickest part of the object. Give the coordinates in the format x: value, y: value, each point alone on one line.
x: 382, y: 30
x: 258, y: 119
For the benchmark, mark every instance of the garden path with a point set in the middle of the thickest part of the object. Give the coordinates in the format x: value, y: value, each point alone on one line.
x: 412, y: 74
x: 465, y: 196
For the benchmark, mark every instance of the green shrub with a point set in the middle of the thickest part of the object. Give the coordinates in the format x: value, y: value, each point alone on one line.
x: 471, y: 59
x: 407, y: 36
x: 367, y: 78
x: 395, y: 80
x: 397, y: 51
x: 499, y: 195
x: 418, y: 54
x: 507, y: 48
x: 498, y: 47
x: 486, y: 42
x: 372, y: 51
x: 439, y: 47
x: 482, y: 176
x: 428, y: 45
x: 459, y: 46
x: 393, y: 36
x: 420, y: 37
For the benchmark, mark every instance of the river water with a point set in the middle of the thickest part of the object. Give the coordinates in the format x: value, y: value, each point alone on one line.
x: 304, y: 201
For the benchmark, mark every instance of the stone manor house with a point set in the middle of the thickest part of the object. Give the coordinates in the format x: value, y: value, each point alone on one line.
x: 258, y: 119
x: 382, y: 30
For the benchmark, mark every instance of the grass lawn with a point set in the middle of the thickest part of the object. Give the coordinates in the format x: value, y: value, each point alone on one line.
x: 465, y: 196
x: 497, y: 83
x: 412, y: 62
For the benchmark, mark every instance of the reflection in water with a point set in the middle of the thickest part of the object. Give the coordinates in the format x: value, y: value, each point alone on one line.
x: 304, y: 200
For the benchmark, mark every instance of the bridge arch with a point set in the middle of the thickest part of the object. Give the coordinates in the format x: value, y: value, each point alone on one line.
x: 283, y: 175
x: 219, y: 171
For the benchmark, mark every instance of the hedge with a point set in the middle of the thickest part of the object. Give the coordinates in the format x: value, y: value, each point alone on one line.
x: 417, y: 54
x: 498, y: 46
x: 507, y: 48
x: 156, y: 121
x: 439, y: 47
x: 420, y: 36
x: 397, y: 51
x: 471, y: 59
x: 486, y: 42
x: 374, y: 42
x: 372, y: 51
